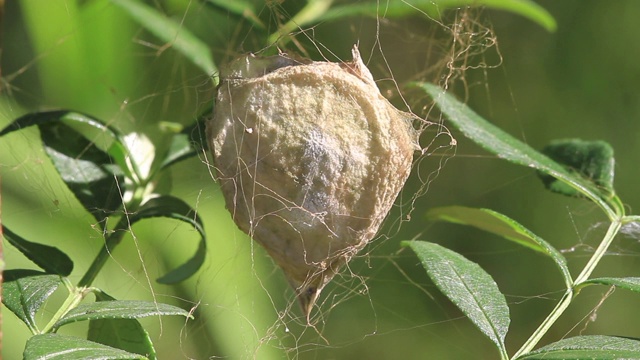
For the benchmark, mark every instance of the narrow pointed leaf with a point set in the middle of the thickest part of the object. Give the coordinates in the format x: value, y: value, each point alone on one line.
x: 119, y: 309
x: 174, y: 208
x: 238, y: 7
x: 468, y: 286
x: 48, y: 258
x: 628, y: 283
x: 86, y: 170
x: 24, y: 292
x: 115, y: 147
x: 588, y: 347
x: 399, y: 8
x: 496, y: 223
x: 498, y: 142
x: 590, y: 159
x: 91, y: 173
x: 64, y: 347
x: 125, y: 334
x: 172, y: 33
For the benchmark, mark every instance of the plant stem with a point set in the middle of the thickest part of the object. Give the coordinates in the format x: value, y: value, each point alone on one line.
x: 113, y: 239
x: 614, y: 227
x: 110, y: 243
x: 76, y: 295
x: 537, y: 335
x: 546, y: 324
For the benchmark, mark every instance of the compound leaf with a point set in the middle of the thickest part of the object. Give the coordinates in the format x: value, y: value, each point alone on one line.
x: 174, y: 208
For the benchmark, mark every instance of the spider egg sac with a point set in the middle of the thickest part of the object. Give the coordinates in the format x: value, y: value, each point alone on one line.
x: 310, y: 158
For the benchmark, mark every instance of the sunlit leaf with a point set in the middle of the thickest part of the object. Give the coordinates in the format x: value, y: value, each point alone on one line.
x: 496, y: 223
x: 125, y: 334
x: 71, y: 141
x: 48, y: 258
x: 24, y: 292
x: 588, y: 347
x: 468, y: 286
x: 88, y: 171
x: 142, y: 153
x: 590, y: 159
x: 172, y: 33
x: 505, y: 146
x: 174, y: 208
x: 113, y: 143
x: 434, y: 8
x: 64, y: 347
x: 119, y: 309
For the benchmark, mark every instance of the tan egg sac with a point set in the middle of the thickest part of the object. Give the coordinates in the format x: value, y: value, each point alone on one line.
x: 310, y: 158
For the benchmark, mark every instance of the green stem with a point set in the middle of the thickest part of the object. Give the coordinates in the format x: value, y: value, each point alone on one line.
x: 503, y: 353
x: 75, y: 297
x: 105, y: 252
x: 631, y: 219
x: 546, y: 324
x: 614, y: 227
x: 537, y: 335
x: 112, y: 240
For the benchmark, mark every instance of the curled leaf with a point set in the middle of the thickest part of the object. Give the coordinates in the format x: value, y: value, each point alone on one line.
x: 174, y: 208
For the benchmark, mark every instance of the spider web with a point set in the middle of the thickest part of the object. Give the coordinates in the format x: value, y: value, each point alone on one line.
x: 380, y: 304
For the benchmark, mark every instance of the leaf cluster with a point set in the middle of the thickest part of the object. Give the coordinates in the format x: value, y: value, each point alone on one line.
x: 100, y: 168
x: 572, y: 167
x: 114, y: 177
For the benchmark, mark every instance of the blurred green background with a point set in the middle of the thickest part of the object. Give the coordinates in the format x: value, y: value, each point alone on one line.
x: 580, y: 81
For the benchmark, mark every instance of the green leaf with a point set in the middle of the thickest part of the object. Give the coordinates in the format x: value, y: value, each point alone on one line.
x: 71, y: 142
x: 468, y: 286
x: 114, y: 144
x: 24, y: 292
x: 588, y: 347
x: 434, y: 8
x: 174, y: 208
x: 64, y: 347
x: 239, y: 7
x: 590, y: 159
x: 496, y: 223
x: 188, y: 143
x: 86, y: 170
x: 49, y: 258
x: 172, y: 33
x: 118, y: 309
x: 498, y: 142
x: 310, y: 13
x: 629, y: 283
x: 125, y: 334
